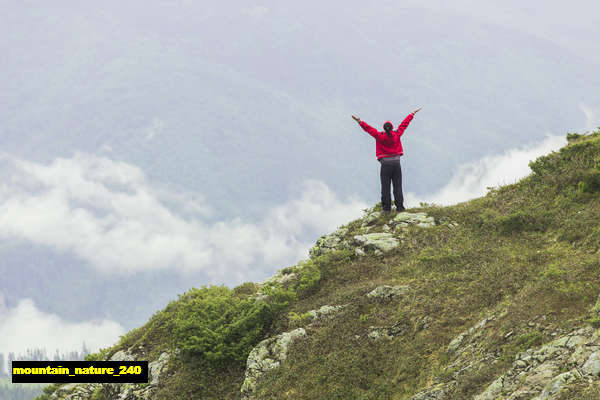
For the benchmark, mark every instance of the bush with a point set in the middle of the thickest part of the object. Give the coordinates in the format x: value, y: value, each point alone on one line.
x: 520, y: 221
x: 222, y: 327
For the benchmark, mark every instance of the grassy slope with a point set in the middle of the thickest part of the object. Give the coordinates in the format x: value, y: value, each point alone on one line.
x: 527, y: 252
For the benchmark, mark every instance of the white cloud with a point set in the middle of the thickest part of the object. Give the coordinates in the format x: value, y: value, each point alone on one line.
x: 107, y: 213
x: 592, y: 116
x: 25, y: 327
x: 257, y: 11
x: 471, y: 180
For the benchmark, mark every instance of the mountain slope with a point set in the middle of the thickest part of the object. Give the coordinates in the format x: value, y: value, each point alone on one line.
x: 494, y: 298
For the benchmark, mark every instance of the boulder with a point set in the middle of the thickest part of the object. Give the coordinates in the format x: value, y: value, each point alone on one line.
x: 328, y: 243
x: 382, y: 241
x: 268, y: 354
x: 419, y: 219
x: 388, y: 292
x: 325, y: 311
x: 370, y: 218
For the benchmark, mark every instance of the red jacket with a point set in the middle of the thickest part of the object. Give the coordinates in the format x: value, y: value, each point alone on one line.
x: 385, y: 146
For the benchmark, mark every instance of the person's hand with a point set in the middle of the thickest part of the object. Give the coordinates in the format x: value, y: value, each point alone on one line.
x: 356, y: 118
x: 416, y: 111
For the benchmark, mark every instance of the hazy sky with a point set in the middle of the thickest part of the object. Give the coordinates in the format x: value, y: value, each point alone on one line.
x: 214, y: 139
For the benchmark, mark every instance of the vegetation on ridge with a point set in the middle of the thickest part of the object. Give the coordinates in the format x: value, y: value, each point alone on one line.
x: 526, y: 253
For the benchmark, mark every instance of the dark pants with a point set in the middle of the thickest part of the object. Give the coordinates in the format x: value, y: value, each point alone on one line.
x: 391, y: 173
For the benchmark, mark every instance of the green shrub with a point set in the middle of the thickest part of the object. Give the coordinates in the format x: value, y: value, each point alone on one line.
x: 296, y: 320
x: 520, y: 221
x: 309, y: 277
x: 573, y: 136
x: 529, y: 340
x: 213, y: 323
x: 595, y: 322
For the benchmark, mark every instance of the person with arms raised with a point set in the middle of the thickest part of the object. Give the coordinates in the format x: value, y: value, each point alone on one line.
x: 388, y: 150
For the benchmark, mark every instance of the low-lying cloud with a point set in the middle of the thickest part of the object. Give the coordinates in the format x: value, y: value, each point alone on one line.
x: 26, y: 327
x: 107, y: 213
x: 471, y: 180
x: 592, y: 116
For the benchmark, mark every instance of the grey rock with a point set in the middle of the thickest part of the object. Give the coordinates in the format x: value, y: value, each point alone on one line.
x: 555, y: 385
x: 328, y: 243
x: 268, y: 354
x: 473, y: 331
x: 122, y: 355
x: 388, y: 332
x: 437, y: 392
x: 371, y: 218
x: 492, y: 391
x: 377, y: 241
x: 539, y: 373
x: 592, y: 365
x: 388, y: 292
x: 420, y: 219
x: 157, y: 367
x: 325, y: 311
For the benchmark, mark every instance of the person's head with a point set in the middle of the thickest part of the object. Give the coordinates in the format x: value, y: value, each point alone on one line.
x: 388, y: 126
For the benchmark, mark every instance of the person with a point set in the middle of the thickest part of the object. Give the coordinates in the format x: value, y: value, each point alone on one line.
x: 388, y: 150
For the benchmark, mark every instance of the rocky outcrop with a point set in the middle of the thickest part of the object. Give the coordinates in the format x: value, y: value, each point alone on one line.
x: 270, y: 353
x: 389, y: 332
x: 466, y: 338
x: 420, y: 219
x: 267, y: 355
x: 370, y: 219
x: 541, y: 373
x: 544, y: 372
x: 328, y: 243
x: 325, y: 311
x: 381, y: 241
x: 388, y: 292
x: 128, y: 391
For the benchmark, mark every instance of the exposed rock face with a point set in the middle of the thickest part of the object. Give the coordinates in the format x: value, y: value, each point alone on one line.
x: 471, y: 334
x: 128, y: 391
x: 382, y: 241
x: 378, y: 242
x: 389, y: 332
x: 438, y: 392
x: 370, y: 218
x: 123, y: 355
x: 541, y: 372
x: 325, y: 311
x: 419, y: 219
x: 388, y: 292
x: 465, y: 347
x: 330, y: 242
x: 268, y: 354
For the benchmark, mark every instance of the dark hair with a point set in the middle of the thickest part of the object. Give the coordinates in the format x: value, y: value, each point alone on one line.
x: 388, y: 128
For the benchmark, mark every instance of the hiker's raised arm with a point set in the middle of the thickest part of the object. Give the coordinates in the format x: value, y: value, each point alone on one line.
x: 402, y: 127
x: 368, y: 128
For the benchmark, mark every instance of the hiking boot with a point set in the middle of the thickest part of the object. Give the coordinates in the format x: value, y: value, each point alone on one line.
x: 400, y: 209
